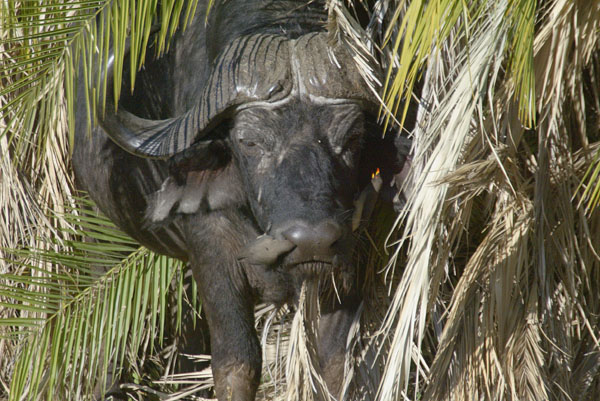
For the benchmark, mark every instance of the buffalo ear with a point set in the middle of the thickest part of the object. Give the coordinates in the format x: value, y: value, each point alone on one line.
x: 201, y: 156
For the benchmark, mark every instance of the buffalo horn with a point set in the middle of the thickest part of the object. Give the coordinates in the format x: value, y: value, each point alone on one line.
x: 329, y: 72
x: 230, y: 84
x: 255, y: 68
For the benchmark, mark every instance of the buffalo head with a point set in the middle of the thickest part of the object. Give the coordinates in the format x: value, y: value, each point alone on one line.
x: 293, y: 118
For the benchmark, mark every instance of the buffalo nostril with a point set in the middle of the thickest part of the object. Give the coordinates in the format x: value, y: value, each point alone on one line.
x: 314, y: 240
x: 296, y: 234
x: 330, y: 232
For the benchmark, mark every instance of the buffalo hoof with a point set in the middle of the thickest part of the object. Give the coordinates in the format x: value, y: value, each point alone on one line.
x: 238, y: 383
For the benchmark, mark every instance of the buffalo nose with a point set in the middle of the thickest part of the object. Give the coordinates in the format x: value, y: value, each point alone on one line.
x: 313, y: 241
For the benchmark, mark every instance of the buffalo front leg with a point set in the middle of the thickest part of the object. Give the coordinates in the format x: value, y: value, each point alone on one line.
x: 229, y: 308
x: 236, y: 354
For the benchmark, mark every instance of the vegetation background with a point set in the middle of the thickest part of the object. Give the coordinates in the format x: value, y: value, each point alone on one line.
x: 498, y: 293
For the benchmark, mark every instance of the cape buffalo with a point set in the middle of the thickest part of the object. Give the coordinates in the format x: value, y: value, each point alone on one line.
x: 245, y: 151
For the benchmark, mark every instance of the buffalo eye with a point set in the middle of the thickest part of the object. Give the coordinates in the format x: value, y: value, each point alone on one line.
x: 247, y: 143
x: 253, y: 144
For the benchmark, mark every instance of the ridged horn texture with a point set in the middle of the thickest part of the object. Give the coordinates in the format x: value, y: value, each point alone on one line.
x: 256, y: 68
x: 329, y: 72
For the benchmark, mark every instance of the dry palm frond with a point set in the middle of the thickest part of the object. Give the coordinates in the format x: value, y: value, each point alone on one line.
x: 496, y: 292
x: 480, y: 323
x: 433, y: 220
x: 303, y: 372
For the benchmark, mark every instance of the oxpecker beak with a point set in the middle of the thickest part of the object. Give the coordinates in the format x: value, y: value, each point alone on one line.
x: 364, y: 205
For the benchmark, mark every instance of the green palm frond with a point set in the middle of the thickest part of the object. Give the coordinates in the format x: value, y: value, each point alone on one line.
x: 521, y: 15
x: 43, y: 48
x: 103, y: 307
x: 44, y: 44
x: 591, y: 180
x: 418, y: 29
